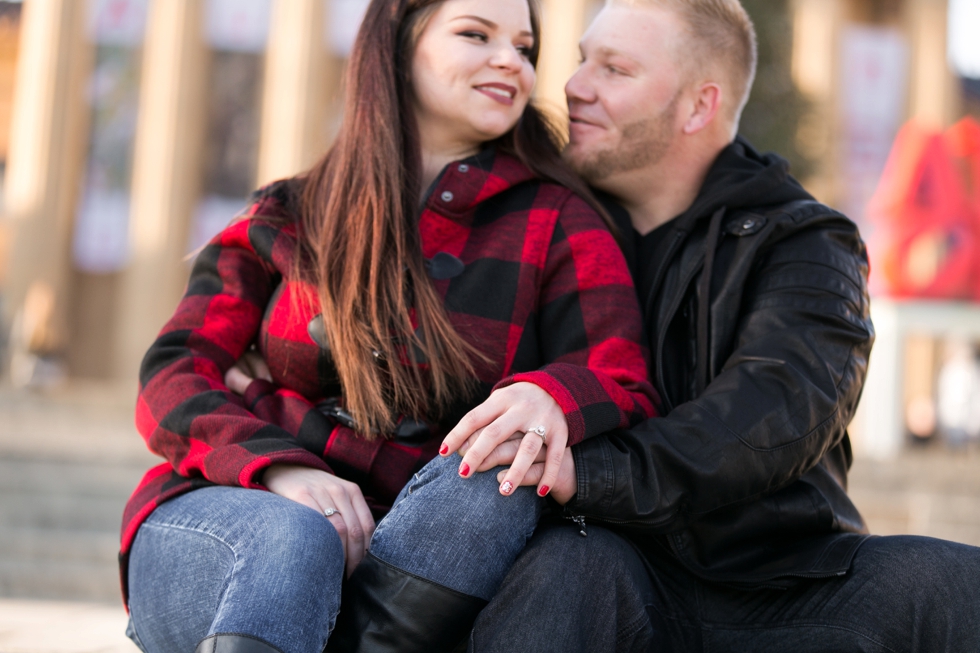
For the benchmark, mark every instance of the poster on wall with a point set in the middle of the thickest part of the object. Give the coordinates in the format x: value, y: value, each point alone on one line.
x: 873, y: 77
x: 117, y: 22
x: 237, y: 25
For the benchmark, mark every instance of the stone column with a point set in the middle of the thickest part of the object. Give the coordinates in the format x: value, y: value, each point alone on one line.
x: 934, y: 96
x: 299, y: 77
x: 166, y: 175
x: 46, y: 141
x: 562, y: 25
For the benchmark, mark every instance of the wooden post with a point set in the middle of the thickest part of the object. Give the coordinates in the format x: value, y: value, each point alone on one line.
x: 299, y: 77
x: 934, y: 97
x: 47, y: 134
x: 166, y: 175
x: 562, y: 25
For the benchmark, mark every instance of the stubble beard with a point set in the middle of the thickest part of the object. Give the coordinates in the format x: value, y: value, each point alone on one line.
x: 643, y: 143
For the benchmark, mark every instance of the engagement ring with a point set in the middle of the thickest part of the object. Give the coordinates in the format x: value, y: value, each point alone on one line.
x: 330, y: 512
x: 539, y: 430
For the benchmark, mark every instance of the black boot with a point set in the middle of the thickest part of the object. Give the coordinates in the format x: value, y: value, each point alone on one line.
x: 234, y: 644
x: 386, y: 610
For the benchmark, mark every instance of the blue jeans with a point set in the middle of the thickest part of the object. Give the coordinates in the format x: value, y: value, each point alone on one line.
x: 596, y: 594
x: 224, y: 560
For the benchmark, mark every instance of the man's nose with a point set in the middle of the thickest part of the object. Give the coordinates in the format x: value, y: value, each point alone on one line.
x: 579, y: 88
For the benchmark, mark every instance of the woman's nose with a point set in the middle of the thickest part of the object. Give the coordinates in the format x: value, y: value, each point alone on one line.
x: 507, y: 57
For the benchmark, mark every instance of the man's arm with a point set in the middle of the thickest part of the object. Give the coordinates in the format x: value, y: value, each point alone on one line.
x: 783, y: 398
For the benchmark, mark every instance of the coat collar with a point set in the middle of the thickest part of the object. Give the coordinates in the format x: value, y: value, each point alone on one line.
x: 464, y: 184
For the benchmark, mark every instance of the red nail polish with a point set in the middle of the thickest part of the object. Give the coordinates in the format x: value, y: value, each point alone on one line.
x: 464, y: 470
x: 444, y: 449
x: 543, y: 490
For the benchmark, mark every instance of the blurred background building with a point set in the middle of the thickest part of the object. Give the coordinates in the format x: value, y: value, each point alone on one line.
x: 131, y: 131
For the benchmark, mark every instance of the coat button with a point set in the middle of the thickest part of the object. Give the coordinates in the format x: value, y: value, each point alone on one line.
x: 447, y: 196
x: 463, y: 168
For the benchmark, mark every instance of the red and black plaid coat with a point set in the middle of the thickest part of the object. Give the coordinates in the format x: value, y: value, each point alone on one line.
x: 543, y: 291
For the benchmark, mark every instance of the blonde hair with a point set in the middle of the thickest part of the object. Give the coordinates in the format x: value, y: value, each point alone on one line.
x: 720, y: 33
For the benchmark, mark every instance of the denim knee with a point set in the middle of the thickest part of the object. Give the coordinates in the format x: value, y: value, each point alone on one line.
x: 460, y: 533
x: 220, y: 557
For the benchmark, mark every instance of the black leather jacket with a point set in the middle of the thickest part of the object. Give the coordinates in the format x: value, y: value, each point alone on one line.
x: 744, y: 478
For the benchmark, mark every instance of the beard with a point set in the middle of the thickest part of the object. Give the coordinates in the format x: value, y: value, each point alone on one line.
x: 642, y: 144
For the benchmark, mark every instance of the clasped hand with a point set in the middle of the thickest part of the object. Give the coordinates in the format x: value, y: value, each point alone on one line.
x: 498, y: 432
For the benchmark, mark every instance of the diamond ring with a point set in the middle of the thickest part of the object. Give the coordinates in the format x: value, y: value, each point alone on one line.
x: 539, y: 430
x: 329, y: 512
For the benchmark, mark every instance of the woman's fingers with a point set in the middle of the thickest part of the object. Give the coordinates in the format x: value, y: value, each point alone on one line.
x: 529, y: 448
x: 498, y: 431
x: 531, y: 476
x: 473, y: 421
x: 236, y: 379
x: 555, y: 454
x: 257, y: 366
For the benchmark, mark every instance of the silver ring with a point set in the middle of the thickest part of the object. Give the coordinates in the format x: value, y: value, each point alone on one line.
x: 330, y: 512
x: 539, y: 430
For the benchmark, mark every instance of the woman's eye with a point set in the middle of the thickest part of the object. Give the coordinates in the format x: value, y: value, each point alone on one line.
x: 479, y: 36
x: 525, y: 50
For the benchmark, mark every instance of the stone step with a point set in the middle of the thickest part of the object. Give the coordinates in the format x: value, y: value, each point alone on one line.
x: 60, y: 579
x: 58, y: 544
x: 61, y: 511
x: 47, y: 477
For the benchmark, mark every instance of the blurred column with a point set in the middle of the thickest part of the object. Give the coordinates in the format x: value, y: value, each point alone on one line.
x: 934, y: 96
x: 297, y: 75
x: 166, y: 172
x: 562, y: 25
x: 47, y: 130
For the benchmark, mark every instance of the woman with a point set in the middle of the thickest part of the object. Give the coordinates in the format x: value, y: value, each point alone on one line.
x: 382, y: 325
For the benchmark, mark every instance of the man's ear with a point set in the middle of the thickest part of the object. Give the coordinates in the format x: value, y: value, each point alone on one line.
x: 707, y: 103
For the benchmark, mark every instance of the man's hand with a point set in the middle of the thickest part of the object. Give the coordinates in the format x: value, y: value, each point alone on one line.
x: 316, y: 489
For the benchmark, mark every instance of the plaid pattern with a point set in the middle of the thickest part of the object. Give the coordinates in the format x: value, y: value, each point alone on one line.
x: 544, y: 293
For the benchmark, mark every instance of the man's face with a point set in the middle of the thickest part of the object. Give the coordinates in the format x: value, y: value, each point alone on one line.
x: 623, y: 99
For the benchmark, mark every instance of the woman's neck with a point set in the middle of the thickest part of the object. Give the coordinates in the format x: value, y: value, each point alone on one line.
x: 434, y: 159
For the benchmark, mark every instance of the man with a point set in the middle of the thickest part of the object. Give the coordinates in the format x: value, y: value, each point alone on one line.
x: 725, y: 524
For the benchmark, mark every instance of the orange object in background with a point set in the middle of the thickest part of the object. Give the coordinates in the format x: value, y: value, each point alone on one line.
x: 963, y: 144
x: 926, y: 214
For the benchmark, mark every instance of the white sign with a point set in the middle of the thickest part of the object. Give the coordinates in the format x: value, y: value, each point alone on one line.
x: 238, y: 25
x: 964, y: 47
x: 101, y: 238
x: 344, y: 18
x: 117, y: 22
x: 874, y: 74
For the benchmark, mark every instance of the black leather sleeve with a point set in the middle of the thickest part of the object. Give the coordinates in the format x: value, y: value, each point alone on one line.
x: 781, y: 400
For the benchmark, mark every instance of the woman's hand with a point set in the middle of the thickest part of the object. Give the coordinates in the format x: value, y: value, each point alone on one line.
x: 509, y: 412
x: 566, y: 485
x: 249, y: 367
x: 321, y: 491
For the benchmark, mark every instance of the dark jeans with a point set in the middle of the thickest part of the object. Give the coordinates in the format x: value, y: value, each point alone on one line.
x: 595, y: 594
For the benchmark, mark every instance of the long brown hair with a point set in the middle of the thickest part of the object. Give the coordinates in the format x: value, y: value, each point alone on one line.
x: 359, y: 207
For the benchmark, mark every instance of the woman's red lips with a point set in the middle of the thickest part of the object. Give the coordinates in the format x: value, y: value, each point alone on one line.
x: 500, y: 92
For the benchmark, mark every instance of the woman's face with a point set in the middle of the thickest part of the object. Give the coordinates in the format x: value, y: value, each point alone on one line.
x: 471, y: 74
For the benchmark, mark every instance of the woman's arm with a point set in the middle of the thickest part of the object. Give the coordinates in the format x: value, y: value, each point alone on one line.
x: 589, y: 331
